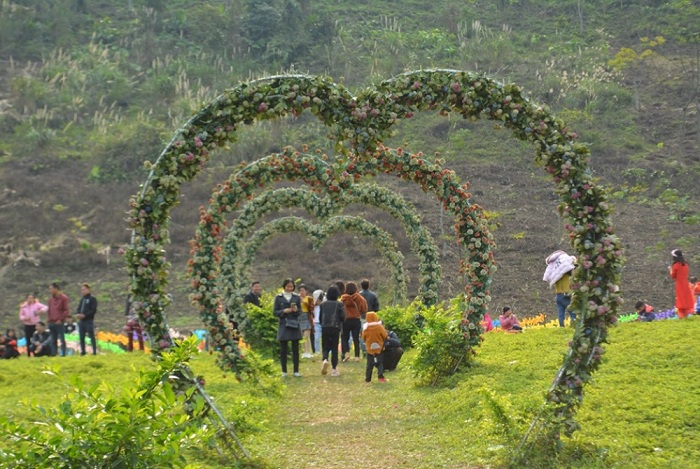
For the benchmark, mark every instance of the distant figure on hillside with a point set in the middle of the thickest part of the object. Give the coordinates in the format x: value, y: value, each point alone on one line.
x: 87, y: 308
x: 287, y: 308
x: 560, y: 265
x: 39, y: 343
x: 645, y: 312
x: 370, y: 297
x: 695, y: 287
x: 132, y: 327
x: 679, y: 272
x: 509, y: 322
x: 57, y: 314
x: 355, y: 308
x: 29, y: 312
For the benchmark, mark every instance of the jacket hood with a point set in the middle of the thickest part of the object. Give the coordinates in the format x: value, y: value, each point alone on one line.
x: 372, y: 317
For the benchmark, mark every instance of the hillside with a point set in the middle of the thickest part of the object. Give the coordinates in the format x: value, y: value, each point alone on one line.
x: 91, y: 90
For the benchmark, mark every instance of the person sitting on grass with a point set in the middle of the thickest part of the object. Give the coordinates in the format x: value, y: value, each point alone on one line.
x: 374, y: 336
x: 9, y: 345
x: 509, y: 323
x: 645, y: 312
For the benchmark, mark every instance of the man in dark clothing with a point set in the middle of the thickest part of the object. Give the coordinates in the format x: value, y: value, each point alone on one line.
x: 253, y: 296
x: 58, y: 312
x: 40, y: 342
x: 87, y: 308
x: 392, y: 351
x: 369, y: 296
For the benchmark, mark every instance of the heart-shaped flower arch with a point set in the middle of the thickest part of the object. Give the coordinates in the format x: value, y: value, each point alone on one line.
x: 422, y: 243
x: 319, y: 233
x: 360, y: 125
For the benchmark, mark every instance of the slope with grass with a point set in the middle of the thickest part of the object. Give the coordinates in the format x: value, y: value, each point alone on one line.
x: 641, y: 412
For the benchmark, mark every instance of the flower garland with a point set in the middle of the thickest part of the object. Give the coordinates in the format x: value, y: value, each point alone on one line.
x: 319, y: 233
x: 368, y: 194
x: 359, y: 125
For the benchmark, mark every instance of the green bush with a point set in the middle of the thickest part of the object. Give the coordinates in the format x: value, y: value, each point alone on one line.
x: 441, y: 345
x: 404, y: 321
x: 260, y: 328
x: 150, y: 423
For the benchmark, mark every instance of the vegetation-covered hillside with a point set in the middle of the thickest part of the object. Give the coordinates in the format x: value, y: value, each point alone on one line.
x: 89, y: 90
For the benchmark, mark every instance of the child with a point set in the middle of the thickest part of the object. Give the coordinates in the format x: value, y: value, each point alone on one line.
x: 645, y: 312
x: 374, y: 336
x: 695, y: 287
x: 509, y: 322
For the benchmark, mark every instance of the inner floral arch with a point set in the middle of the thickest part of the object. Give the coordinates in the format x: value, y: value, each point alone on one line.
x: 422, y: 243
x: 318, y: 233
x: 359, y: 124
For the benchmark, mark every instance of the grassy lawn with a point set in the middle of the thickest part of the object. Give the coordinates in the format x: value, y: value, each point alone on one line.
x: 642, y: 411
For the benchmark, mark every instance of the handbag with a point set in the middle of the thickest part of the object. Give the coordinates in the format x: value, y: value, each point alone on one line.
x: 292, y: 323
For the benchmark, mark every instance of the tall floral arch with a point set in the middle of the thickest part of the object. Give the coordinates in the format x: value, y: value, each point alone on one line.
x: 359, y: 124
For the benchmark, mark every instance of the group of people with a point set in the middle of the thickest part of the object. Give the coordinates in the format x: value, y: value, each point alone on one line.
x: 46, y: 337
x: 329, y: 321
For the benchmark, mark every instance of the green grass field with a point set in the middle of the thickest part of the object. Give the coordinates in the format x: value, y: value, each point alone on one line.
x: 641, y: 412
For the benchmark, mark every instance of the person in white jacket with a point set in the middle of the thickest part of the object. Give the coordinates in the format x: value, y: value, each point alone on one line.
x: 560, y: 265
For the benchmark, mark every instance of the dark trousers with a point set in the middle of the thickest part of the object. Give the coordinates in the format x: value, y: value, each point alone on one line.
x: 57, y: 334
x: 355, y: 326
x: 372, y: 361
x: 130, y: 342
x: 313, y: 340
x: 329, y: 342
x: 284, y: 350
x: 28, y: 333
x: 87, y: 327
x: 391, y: 358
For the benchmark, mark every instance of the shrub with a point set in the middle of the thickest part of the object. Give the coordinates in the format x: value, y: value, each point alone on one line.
x: 149, y: 424
x: 404, y: 321
x: 442, y: 345
x: 260, y: 328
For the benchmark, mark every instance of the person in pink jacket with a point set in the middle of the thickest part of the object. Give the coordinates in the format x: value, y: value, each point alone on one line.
x: 29, y: 312
x: 509, y: 322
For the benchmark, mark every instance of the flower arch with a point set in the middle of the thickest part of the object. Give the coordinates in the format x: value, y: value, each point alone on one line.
x: 359, y: 125
x: 422, y: 242
x: 318, y: 233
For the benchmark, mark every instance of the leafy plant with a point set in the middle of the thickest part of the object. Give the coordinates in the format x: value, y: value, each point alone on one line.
x: 150, y: 423
x: 404, y: 321
x: 261, y: 327
x: 442, y: 345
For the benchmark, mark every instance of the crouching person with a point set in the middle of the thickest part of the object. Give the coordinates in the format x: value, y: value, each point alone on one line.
x: 392, y: 351
x: 40, y: 343
x: 374, y: 336
x: 645, y: 312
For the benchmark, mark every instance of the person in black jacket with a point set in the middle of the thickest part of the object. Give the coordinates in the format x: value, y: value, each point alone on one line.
x: 87, y: 308
x: 392, y: 351
x: 253, y: 296
x: 40, y: 342
x: 369, y: 296
x: 331, y: 317
x: 287, y: 308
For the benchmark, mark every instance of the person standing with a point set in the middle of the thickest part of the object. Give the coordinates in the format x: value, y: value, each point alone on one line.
x: 370, y: 297
x: 679, y: 273
x: 29, y: 312
x: 374, y: 336
x: 306, y: 319
x: 355, y: 308
x: 287, y: 308
x: 253, y: 296
x: 331, y: 317
x: 87, y: 308
x: 560, y: 266
x: 318, y: 298
x: 57, y: 314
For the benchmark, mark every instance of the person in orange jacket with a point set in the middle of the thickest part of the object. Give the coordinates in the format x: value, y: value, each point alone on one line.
x: 374, y: 336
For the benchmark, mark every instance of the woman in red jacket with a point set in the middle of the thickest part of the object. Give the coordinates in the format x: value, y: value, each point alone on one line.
x: 684, y: 296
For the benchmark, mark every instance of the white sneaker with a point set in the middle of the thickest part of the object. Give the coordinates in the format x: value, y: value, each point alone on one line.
x: 324, y: 367
x: 335, y: 373
x: 297, y: 374
x: 284, y: 375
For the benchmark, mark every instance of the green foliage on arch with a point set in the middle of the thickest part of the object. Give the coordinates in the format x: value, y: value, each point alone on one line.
x: 359, y: 124
x: 371, y: 194
x: 318, y: 233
